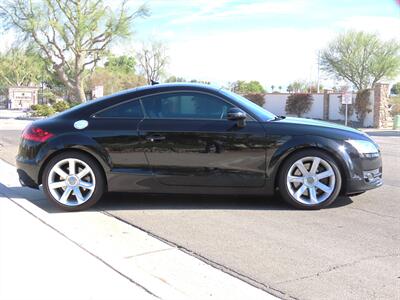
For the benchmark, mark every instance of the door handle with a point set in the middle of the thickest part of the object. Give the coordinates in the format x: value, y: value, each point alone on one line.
x: 155, y: 138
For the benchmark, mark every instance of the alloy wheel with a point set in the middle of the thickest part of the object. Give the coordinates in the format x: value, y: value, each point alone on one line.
x: 311, y: 180
x: 71, y: 182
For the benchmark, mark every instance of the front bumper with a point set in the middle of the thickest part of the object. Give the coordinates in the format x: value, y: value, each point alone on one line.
x: 366, y: 173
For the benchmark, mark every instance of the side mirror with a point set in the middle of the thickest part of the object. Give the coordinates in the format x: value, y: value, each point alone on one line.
x: 236, y: 114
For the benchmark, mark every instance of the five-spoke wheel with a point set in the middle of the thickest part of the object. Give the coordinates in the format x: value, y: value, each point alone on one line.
x: 73, y: 180
x: 310, y: 179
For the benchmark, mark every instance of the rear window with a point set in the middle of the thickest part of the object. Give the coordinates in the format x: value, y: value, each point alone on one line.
x: 127, y: 110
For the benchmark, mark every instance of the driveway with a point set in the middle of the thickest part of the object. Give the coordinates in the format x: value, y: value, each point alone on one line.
x: 350, y: 250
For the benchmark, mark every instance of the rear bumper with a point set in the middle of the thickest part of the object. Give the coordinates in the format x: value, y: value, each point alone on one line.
x: 28, y: 173
x: 26, y: 180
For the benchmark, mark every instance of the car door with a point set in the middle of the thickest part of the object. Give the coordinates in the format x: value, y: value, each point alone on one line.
x: 117, y: 132
x: 188, y: 141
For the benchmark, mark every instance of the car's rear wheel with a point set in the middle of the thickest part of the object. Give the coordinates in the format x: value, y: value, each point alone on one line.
x: 73, y: 181
x: 310, y: 179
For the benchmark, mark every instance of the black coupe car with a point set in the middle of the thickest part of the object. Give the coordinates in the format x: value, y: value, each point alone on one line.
x: 190, y: 138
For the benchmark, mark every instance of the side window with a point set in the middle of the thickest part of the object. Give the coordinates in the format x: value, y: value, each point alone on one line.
x: 185, y: 105
x: 127, y: 110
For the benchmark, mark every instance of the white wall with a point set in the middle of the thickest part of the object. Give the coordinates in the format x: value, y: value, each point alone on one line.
x: 317, y: 109
x: 276, y: 103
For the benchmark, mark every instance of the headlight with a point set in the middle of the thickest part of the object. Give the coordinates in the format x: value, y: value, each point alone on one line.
x: 364, y: 147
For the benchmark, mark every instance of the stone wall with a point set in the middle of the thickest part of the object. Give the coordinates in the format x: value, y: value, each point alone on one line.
x: 382, y: 117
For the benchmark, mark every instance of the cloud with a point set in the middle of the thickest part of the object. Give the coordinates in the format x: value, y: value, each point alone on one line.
x: 386, y: 27
x: 272, y: 56
x: 218, y: 10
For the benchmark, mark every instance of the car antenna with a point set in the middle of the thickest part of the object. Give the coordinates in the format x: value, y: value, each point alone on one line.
x: 153, y: 82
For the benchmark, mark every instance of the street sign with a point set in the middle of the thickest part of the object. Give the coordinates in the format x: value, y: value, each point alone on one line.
x: 347, y: 98
x: 98, y: 91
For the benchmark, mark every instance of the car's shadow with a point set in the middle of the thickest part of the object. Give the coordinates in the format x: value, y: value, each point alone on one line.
x: 136, y: 201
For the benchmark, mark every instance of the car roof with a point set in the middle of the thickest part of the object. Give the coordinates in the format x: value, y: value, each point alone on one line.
x: 139, y: 91
x: 167, y: 86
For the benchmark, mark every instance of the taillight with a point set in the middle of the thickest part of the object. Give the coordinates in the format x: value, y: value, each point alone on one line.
x: 36, y: 134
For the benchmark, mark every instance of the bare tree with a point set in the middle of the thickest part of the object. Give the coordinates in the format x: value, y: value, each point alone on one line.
x: 152, y: 59
x: 72, y: 35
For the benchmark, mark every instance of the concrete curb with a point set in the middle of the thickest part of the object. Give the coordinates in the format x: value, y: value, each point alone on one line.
x: 151, y: 265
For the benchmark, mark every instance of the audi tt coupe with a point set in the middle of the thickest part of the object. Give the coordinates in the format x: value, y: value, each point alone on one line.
x: 191, y: 138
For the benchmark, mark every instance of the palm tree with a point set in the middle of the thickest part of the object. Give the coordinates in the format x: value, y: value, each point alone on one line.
x: 272, y: 88
x: 280, y: 89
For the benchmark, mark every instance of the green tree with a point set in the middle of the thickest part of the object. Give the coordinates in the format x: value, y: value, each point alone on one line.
x: 200, y: 81
x: 113, y: 79
x: 244, y: 87
x: 299, y: 86
x: 71, y: 35
x: 124, y: 63
x: 361, y: 58
x: 395, y: 89
x: 299, y: 104
x: 21, y: 67
x: 175, y: 79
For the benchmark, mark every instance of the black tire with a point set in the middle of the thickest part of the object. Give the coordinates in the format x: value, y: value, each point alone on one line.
x: 100, y: 186
x: 287, y: 164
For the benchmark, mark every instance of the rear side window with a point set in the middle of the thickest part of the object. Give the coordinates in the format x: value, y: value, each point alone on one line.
x: 127, y: 110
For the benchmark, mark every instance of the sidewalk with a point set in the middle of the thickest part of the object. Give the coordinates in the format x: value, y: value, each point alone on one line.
x: 36, y: 262
x: 11, y: 113
x: 49, y: 254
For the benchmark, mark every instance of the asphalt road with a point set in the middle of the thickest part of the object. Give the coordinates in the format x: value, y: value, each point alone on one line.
x: 350, y: 250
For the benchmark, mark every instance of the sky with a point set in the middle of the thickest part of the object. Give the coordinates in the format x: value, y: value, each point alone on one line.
x: 272, y: 41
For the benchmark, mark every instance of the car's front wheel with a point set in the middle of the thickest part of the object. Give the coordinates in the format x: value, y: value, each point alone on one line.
x: 310, y: 179
x: 73, y: 181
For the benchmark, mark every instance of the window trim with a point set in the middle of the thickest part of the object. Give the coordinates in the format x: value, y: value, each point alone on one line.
x: 145, y: 116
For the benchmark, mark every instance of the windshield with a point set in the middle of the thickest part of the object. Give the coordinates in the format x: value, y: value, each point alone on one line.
x: 260, y: 112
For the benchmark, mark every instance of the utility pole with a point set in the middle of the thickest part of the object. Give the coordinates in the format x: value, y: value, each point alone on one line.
x: 319, y: 54
x: 42, y: 88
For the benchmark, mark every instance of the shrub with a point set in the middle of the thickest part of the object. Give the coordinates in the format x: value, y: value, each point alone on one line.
x: 362, y: 105
x: 257, y: 98
x: 42, y: 110
x: 395, y: 105
x: 35, y: 106
x: 298, y: 104
x: 60, y: 106
x: 350, y: 109
x: 395, y: 89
